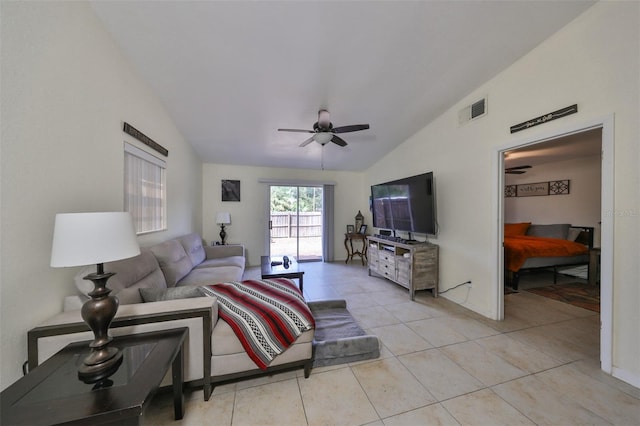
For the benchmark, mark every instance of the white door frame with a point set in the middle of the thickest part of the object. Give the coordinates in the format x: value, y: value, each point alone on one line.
x: 606, y: 241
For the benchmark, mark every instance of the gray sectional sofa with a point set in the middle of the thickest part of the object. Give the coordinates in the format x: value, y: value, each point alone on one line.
x: 183, y: 261
x: 164, y: 274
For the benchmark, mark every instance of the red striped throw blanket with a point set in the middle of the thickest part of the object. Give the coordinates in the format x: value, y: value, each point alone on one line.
x: 266, y: 315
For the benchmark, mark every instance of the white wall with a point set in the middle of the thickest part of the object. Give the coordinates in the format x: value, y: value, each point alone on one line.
x: 594, y: 62
x: 249, y: 216
x: 66, y: 89
x: 581, y: 207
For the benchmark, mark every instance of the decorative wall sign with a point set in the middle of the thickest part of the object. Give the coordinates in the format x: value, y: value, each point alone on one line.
x: 554, y: 187
x: 132, y: 131
x: 545, y: 118
x: 532, y: 189
x: 230, y: 190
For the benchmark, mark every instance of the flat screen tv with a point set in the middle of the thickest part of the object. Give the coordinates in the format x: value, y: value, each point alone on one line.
x: 405, y: 205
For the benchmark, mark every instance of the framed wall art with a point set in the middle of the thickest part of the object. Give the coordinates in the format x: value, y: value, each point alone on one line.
x: 230, y: 190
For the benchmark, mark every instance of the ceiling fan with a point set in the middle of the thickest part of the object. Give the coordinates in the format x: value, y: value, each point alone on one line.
x: 516, y: 170
x: 324, y: 132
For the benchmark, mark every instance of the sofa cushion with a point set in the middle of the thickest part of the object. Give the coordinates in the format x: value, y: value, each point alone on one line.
x: 205, y: 276
x: 192, y: 245
x: 223, y: 261
x: 173, y: 260
x: 173, y: 293
x: 141, y: 271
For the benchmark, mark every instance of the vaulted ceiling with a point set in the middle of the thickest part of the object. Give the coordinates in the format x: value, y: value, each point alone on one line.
x: 230, y: 73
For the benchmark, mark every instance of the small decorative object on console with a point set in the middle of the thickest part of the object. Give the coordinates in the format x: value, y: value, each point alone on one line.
x: 350, y: 229
x: 222, y: 219
x: 359, y: 220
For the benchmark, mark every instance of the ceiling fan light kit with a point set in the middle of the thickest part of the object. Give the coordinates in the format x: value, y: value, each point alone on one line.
x: 324, y: 132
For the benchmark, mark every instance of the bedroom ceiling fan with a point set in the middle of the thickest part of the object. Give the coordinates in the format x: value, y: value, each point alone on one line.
x: 516, y: 170
x: 324, y: 132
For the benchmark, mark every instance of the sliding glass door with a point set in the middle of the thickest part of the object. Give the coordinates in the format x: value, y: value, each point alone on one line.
x: 295, y: 222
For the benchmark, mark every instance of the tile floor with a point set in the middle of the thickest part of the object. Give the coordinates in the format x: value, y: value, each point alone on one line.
x: 439, y: 364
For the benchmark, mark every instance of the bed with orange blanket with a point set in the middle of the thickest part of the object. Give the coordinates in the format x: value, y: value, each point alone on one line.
x: 528, y: 246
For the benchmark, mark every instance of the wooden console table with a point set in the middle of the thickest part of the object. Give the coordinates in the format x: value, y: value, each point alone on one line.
x: 412, y: 265
x: 348, y: 245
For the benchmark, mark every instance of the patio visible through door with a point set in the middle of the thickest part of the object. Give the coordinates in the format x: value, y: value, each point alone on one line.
x: 295, y: 222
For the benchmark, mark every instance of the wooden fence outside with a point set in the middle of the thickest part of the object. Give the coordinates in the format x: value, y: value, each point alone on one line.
x: 285, y: 224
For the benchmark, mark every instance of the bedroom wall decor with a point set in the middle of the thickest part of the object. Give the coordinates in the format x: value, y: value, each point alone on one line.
x: 554, y: 187
x: 230, y: 190
x: 544, y: 118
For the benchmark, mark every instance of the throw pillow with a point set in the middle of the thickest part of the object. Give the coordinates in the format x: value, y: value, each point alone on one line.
x: 159, y: 294
x: 515, y: 229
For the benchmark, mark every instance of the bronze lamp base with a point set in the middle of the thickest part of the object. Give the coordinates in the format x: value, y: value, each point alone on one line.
x: 98, y: 312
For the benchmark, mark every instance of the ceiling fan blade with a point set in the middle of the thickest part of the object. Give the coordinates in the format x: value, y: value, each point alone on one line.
x: 307, y: 142
x: 338, y: 141
x: 514, y: 172
x: 351, y: 128
x: 296, y: 130
x: 518, y: 168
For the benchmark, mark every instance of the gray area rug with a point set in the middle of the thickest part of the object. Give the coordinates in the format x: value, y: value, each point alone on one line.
x: 338, y: 339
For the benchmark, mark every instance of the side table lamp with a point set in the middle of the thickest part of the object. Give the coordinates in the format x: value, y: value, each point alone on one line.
x: 222, y: 219
x: 81, y: 239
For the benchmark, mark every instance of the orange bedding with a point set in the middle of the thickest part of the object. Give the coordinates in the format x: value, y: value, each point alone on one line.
x: 518, y: 249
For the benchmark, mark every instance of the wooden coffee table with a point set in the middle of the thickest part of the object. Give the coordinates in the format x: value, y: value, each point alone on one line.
x: 279, y: 271
x: 53, y: 394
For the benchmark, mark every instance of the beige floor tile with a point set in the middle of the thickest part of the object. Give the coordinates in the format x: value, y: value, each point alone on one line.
x: 335, y: 397
x: 434, y: 414
x: 400, y: 339
x: 442, y: 377
x: 264, y: 380
x: 612, y: 404
x: 469, y: 327
x: 373, y: 316
x: 395, y: 296
x: 484, y: 365
x: 436, y: 331
x: 523, y: 356
x: 391, y: 388
x: 484, y: 408
x: 409, y: 311
x: 549, y: 340
x: 197, y: 412
x: 544, y: 405
x: 273, y: 404
x: 360, y: 300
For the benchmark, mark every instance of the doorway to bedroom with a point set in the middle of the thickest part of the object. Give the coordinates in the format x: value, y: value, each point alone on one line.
x: 555, y: 186
x: 583, y: 156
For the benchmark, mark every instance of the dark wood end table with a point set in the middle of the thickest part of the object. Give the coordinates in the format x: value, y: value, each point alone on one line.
x: 53, y: 394
x: 350, y: 238
x: 279, y: 271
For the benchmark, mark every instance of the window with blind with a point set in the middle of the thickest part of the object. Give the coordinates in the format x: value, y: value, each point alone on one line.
x: 145, y: 194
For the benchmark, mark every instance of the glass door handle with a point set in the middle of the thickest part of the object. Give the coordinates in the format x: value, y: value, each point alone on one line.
x: 270, y: 225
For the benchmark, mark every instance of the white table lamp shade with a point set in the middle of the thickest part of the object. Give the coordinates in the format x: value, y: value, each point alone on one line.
x: 91, y: 238
x: 223, y: 218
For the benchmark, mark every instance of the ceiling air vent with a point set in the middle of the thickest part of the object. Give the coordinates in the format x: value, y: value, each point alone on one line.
x: 473, y: 111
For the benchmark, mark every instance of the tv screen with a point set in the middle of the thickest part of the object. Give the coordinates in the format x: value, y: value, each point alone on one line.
x: 405, y: 204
